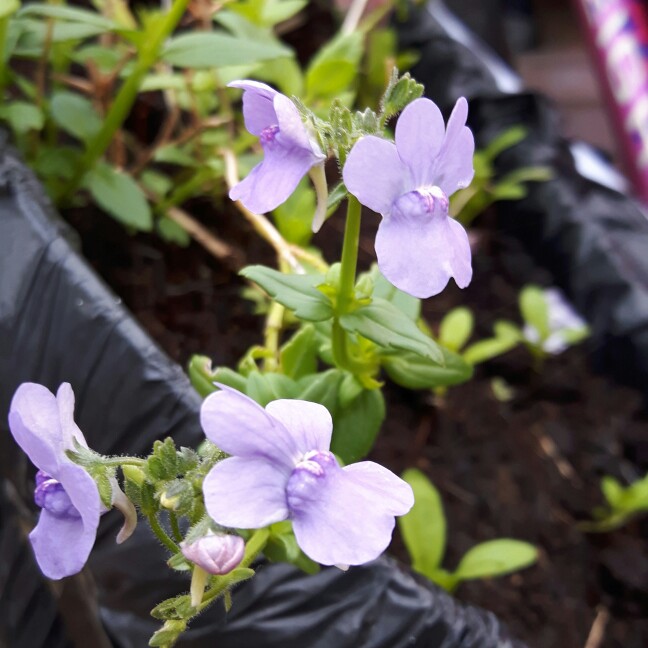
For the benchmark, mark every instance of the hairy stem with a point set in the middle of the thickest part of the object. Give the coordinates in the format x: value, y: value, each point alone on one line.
x: 161, y: 534
x: 349, y: 255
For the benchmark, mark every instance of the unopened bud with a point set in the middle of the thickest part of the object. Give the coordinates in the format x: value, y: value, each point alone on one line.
x: 216, y: 553
x: 169, y: 503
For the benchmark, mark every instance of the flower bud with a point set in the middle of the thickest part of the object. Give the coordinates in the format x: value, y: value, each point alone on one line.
x: 215, y: 553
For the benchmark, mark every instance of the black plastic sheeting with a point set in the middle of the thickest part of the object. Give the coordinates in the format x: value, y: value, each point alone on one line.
x: 593, y: 239
x: 59, y: 322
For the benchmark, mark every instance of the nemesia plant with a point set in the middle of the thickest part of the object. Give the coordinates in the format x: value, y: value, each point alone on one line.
x: 281, y: 470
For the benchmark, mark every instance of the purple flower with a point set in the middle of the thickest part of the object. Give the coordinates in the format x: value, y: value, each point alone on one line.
x: 418, y: 245
x: 43, y: 426
x: 216, y: 553
x: 282, y: 468
x: 290, y: 151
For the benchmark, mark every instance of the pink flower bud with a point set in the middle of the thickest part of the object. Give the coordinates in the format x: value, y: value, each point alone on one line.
x: 215, y: 553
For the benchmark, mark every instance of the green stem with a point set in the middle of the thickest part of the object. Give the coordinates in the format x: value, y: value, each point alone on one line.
x: 123, y: 461
x: 346, y: 288
x: 125, y: 98
x: 161, y: 534
x: 349, y: 255
x: 274, y: 324
x: 4, y: 68
x: 175, y: 527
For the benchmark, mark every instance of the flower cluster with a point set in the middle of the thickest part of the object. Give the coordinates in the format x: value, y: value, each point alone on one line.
x: 419, y: 246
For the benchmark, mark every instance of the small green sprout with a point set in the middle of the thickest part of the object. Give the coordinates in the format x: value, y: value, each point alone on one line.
x: 424, y: 531
x: 622, y: 503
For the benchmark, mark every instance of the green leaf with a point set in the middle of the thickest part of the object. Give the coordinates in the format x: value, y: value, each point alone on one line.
x: 296, y: 292
x: 456, y: 327
x: 383, y: 323
x: 424, y: 527
x: 507, y: 336
x: 22, y: 116
x: 416, y: 372
x: 534, y: 309
x: 171, y: 232
x: 32, y: 35
x: 168, y: 634
x: 503, y: 141
x: 335, y: 66
x: 8, y: 7
x: 612, y: 491
x: 218, y: 49
x: 496, y: 558
x: 356, y: 425
x: 105, y: 58
x: 322, y: 388
x: 120, y: 196
x: 70, y: 14
x: 266, y: 387
x: 410, y: 306
x: 299, y: 354
x: 509, y: 191
x: 75, y: 115
x: 267, y: 12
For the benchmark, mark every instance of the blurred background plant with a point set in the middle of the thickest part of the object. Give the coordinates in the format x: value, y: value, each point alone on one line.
x: 129, y: 109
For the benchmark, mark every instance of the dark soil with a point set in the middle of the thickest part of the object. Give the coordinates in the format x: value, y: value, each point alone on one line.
x: 528, y: 468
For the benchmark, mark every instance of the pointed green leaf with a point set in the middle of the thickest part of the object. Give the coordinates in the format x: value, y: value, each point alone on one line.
x: 120, y: 196
x: 496, y: 558
x: 383, y: 323
x: 218, y: 49
x: 424, y: 527
x: 416, y: 372
x: 456, y: 327
x: 296, y: 292
x: 299, y: 354
x: 75, y: 115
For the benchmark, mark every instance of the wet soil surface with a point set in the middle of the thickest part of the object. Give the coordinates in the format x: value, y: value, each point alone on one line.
x: 528, y: 468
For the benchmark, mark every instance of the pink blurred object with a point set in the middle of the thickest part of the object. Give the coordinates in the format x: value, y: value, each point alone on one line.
x: 618, y: 34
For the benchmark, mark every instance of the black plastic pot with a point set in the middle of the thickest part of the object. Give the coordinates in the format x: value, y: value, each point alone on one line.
x: 59, y: 322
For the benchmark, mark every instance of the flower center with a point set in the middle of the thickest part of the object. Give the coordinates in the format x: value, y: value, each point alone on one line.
x: 51, y: 496
x: 269, y: 135
x: 307, y: 477
x: 422, y: 204
x: 433, y: 198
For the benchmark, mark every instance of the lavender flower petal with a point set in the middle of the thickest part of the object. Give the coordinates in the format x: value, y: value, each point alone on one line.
x: 272, y: 181
x: 420, y: 132
x: 258, y: 107
x: 69, y: 429
x: 246, y: 493
x: 35, y: 424
x: 239, y: 426
x: 347, y: 516
x: 310, y: 424
x: 375, y: 174
x: 419, y: 250
x: 62, y: 543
